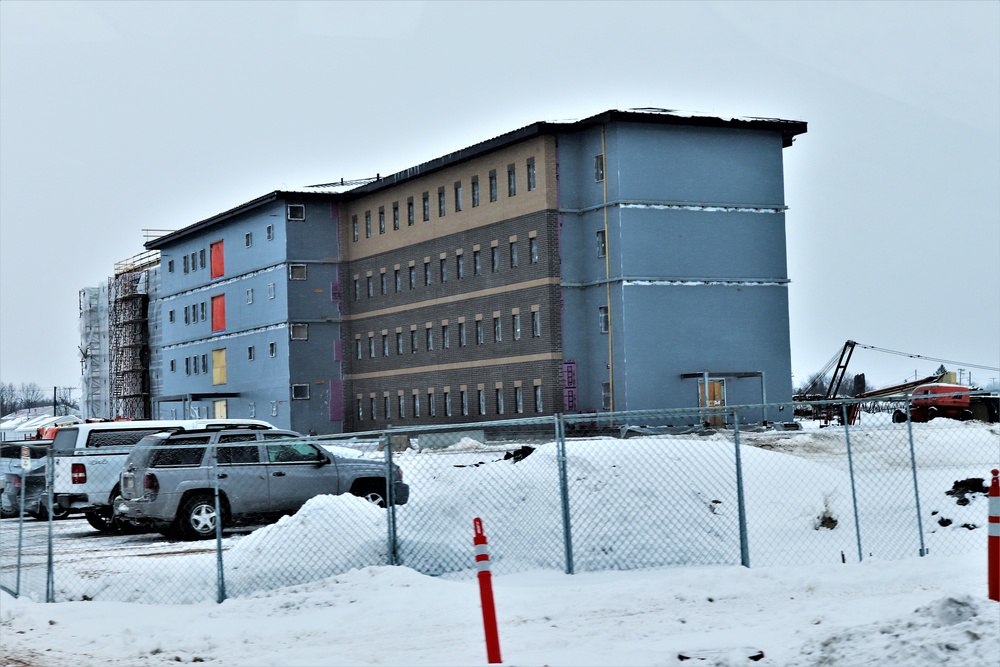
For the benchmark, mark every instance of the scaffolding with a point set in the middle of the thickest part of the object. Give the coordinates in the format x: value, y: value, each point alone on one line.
x: 128, y: 328
x: 94, y: 381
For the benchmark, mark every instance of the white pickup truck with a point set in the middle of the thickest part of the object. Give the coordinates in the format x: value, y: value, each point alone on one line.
x: 88, y: 459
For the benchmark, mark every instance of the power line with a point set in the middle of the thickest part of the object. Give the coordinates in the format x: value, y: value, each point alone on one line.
x: 963, y: 364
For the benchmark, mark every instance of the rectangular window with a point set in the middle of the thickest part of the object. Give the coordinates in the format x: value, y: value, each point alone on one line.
x: 395, y: 215
x: 531, y: 174
x: 173, y: 365
x: 368, y: 224
x: 201, y: 307
x: 204, y: 363
x: 482, y: 401
x: 445, y: 337
x: 361, y: 414
x: 371, y: 408
x: 170, y: 266
x: 219, y: 366
x: 602, y: 316
x: 515, y: 324
x: 429, y: 335
x: 401, y: 406
x: 427, y: 273
x: 297, y: 272
x: 413, y: 341
x: 248, y: 239
x: 602, y: 244
x: 385, y: 345
x: 464, y: 396
x: 299, y: 331
x: 218, y: 259
x: 599, y: 168
x: 511, y: 181
x: 250, y: 295
x: 385, y: 406
x: 442, y: 204
x: 185, y: 258
x: 274, y: 408
x: 269, y: 232
x: 536, y: 324
x: 187, y: 365
x: 370, y: 286
x: 499, y: 401
x: 186, y: 318
x: 201, y: 257
x: 475, y: 191
x: 426, y: 202
x: 497, y: 330
x: 250, y: 353
x: 381, y: 220
x: 270, y: 290
x: 382, y: 283
x: 495, y: 258
x: 399, y: 342
x: 444, y: 269
x: 413, y: 276
x: 416, y: 405
x: 396, y: 279
x: 494, y: 191
x: 357, y: 348
x: 196, y: 367
x: 371, y: 346
x: 272, y: 349
x: 354, y: 227
x: 219, y: 312
x: 533, y: 249
x: 357, y: 289
x: 479, y: 332
x: 458, y: 196
x: 194, y: 261
x: 300, y: 392
x: 477, y: 263
x: 409, y: 211
x: 460, y: 266
x: 461, y: 334
x: 518, y: 400
x: 538, y: 398
x: 170, y: 316
x: 447, y: 403
x: 513, y: 254
x: 296, y: 212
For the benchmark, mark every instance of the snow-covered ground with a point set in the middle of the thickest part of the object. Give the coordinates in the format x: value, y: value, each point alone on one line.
x: 304, y: 591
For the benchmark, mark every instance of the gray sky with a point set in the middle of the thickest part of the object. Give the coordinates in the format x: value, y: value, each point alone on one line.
x: 118, y: 116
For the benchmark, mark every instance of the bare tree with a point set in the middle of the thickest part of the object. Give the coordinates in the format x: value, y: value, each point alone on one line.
x: 8, y: 398
x: 30, y: 395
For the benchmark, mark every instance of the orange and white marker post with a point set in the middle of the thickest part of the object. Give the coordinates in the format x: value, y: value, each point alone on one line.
x: 993, y: 550
x: 486, y: 592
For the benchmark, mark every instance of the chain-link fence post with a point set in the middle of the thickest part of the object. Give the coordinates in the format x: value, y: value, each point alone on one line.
x: 913, y: 468
x: 560, y: 432
x: 50, y: 589
x: 740, y: 500
x: 850, y: 469
x: 390, y: 499
x: 220, y: 581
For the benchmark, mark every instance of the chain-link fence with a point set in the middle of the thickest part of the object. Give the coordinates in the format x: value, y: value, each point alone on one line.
x: 577, y: 493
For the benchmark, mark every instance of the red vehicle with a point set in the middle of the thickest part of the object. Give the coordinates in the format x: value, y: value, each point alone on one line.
x: 937, y: 399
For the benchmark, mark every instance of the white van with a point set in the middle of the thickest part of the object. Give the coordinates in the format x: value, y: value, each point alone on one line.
x: 88, y: 459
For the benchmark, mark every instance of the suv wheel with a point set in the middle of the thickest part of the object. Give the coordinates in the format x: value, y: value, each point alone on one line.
x: 373, y: 493
x: 102, y: 519
x: 196, y: 520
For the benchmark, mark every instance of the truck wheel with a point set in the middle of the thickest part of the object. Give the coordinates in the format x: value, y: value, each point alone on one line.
x: 57, y: 512
x: 196, y: 520
x: 898, y: 417
x: 373, y: 493
x: 101, y: 519
x: 931, y: 413
x: 965, y: 416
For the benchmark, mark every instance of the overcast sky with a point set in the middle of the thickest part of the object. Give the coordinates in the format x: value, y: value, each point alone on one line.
x: 118, y: 117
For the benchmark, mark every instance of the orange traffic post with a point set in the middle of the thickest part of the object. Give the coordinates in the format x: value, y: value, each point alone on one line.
x: 486, y: 592
x: 993, y: 550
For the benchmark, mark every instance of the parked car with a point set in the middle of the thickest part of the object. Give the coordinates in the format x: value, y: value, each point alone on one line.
x: 33, y: 479
x: 168, y: 479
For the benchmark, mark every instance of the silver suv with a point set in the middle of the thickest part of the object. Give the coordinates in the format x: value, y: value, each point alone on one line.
x: 168, y: 481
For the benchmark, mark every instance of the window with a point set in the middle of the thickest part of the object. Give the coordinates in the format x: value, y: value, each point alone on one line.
x: 599, y: 168
x: 497, y: 329
x: 201, y: 257
x: 185, y: 263
x: 204, y: 363
x: 357, y: 289
x: 300, y: 392
x: 272, y: 349
x: 513, y: 254
x: 218, y: 259
x: 269, y: 232
x: 371, y: 346
x: 461, y: 334
x: 297, y: 272
x: 431, y: 408
x: 602, y: 244
x: 602, y: 315
x: 409, y: 211
x: 270, y: 290
x: 606, y: 395
x: 202, y: 309
x: 357, y: 348
x: 511, y: 181
x: 395, y: 215
x: 274, y: 408
x: 458, y: 196
x: 385, y: 345
x: 395, y: 275
x: 479, y: 332
x: 536, y: 324
x: 475, y: 191
x: 442, y: 205
x: 399, y: 342
x: 298, y: 331
x: 368, y: 224
x: 170, y: 266
x: 538, y: 398
x: 186, y: 319
x: 515, y: 325
x: 173, y: 365
x: 413, y: 341
x: 416, y: 405
x: 460, y: 266
x: 531, y: 174
x: 401, y: 406
x: 194, y: 260
x: 354, y: 227
x: 250, y: 295
x: 413, y: 277
x: 370, y: 286
x: 187, y: 365
x: 248, y: 239
x: 495, y: 258
x: 383, y: 287
x: 219, y: 312
x: 361, y: 414
x: 464, y: 396
x: 381, y: 220
x: 477, y: 264
x: 250, y: 353
x: 296, y: 212
x: 170, y: 316
x: 218, y: 366
x: 427, y: 273
x: 385, y: 406
x: 499, y: 401
x: 429, y: 335
x: 447, y: 403
x: 194, y: 361
x: 426, y: 200
x: 371, y: 408
x: 493, y: 185
x: 445, y: 337
x: 518, y: 400
x: 444, y: 269
x: 482, y: 401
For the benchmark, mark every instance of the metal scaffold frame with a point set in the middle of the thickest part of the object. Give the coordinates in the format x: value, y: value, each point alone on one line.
x: 128, y: 325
